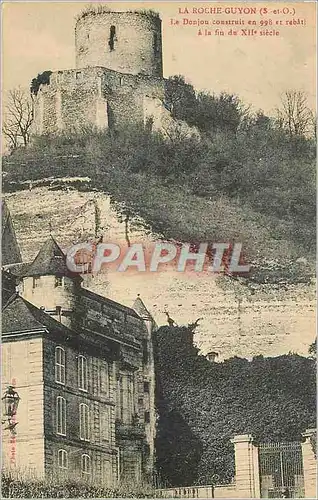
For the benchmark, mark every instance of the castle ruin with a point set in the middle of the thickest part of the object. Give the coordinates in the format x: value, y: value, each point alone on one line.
x: 118, y: 79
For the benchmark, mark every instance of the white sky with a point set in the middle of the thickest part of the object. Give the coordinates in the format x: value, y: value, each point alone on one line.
x: 40, y: 35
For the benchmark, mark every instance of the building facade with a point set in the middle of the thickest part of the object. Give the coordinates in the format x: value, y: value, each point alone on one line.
x: 82, y: 366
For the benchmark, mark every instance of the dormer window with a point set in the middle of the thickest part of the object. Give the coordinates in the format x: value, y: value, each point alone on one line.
x: 59, y: 281
x: 36, y: 282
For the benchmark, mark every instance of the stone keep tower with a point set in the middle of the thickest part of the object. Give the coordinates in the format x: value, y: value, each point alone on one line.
x: 118, y: 79
x: 127, y: 42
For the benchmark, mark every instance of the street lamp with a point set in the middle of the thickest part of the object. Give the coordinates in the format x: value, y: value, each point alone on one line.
x: 10, y: 402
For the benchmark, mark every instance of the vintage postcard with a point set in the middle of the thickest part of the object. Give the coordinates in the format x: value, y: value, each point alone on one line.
x: 158, y: 249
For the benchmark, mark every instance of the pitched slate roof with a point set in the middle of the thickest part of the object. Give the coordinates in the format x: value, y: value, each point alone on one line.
x: 18, y: 269
x: 143, y: 312
x: 19, y: 315
x: 49, y: 261
x: 104, y: 300
x: 8, y: 286
x: 141, y: 309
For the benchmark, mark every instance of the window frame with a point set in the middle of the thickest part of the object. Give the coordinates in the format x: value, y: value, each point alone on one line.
x: 63, y: 463
x: 36, y: 282
x: 60, y: 416
x: 82, y: 373
x: 103, y: 378
x: 60, y: 366
x: 59, y: 281
x: 86, y: 464
x: 84, y: 418
x: 105, y: 424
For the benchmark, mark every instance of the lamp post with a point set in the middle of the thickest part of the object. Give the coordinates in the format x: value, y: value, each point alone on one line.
x: 10, y: 403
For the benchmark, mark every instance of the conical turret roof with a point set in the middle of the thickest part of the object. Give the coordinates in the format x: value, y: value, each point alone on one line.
x: 49, y: 261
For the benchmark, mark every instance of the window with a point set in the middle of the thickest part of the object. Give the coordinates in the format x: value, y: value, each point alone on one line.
x: 61, y: 416
x: 82, y: 373
x: 78, y: 75
x: 58, y: 281
x: 36, y: 282
x: 145, y: 352
x: 147, y: 417
x: 112, y: 37
x: 130, y: 397
x: 59, y: 365
x: 126, y: 398
x: 105, y: 423
x: 103, y: 378
x: 146, y: 386
x: 84, y: 422
x: 120, y: 396
x: 107, y: 472
x: 86, y: 464
x: 62, y: 459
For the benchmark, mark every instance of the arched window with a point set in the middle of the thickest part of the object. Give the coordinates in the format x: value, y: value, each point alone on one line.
x: 82, y: 373
x: 86, y: 464
x: 59, y: 365
x: 84, y: 421
x: 62, y: 459
x: 61, y: 416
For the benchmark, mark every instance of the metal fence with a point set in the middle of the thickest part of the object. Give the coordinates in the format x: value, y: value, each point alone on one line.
x: 281, y: 470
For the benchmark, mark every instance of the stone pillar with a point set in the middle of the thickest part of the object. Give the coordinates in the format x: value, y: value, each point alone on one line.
x: 246, y: 467
x: 309, y: 464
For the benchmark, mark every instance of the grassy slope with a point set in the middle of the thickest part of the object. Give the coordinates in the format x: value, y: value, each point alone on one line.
x: 166, y: 204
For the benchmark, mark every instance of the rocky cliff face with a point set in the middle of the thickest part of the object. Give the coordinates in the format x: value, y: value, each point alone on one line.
x: 233, y: 323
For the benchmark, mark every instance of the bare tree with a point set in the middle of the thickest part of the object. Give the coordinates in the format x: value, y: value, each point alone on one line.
x: 18, y: 117
x: 295, y: 116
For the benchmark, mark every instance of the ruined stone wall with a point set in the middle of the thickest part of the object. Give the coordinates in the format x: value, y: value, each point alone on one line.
x: 71, y: 100
x: 122, y: 41
x: 92, y: 97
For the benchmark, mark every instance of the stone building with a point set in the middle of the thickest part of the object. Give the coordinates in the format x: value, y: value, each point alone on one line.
x: 82, y: 366
x: 118, y: 78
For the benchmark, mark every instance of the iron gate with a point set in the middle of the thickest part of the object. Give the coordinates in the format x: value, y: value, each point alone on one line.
x: 281, y: 470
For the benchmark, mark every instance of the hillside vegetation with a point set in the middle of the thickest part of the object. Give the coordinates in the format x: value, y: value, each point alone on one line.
x: 247, y: 180
x: 202, y: 405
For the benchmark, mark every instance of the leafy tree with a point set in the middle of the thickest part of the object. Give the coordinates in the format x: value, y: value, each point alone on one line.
x: 41, y: 79
x: 205, y: 404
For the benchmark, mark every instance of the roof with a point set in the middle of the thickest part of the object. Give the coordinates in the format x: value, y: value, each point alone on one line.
x: 18, y: 269
x: 8, y: 282
x: 109, y: 302
x: 19, y: 315
x: 49, y: 261
x: 9, y: 244
x: 141, y: 309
